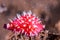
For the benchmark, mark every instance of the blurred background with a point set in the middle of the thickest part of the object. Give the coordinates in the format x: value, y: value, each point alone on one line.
x: 48, y: 10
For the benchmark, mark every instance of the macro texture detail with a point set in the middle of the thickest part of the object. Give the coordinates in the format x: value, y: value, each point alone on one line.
x: 27, y: 23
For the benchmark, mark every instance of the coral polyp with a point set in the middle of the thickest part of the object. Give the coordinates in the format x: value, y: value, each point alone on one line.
x: 27, y: 23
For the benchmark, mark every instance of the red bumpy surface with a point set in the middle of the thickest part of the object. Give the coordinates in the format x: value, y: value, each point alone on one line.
x: 26, y: 23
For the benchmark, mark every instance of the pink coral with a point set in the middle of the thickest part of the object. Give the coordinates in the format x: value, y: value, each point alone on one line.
x: 26, y: 23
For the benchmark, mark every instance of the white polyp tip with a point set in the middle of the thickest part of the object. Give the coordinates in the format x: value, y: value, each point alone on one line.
x: 10, y: 20
x: 29, y: 12
x: 33, y: 22
x: 29, y: 26
x: 24, y: 25
x: 35, y: 26
x: 22, y: 31
x: 43, y: 26
x: 29, y: 20
x: 22, y: 21
x: 33, y: 18
x: 18, y: 15
x: 24, y: 13
x: 25, y: 33
x: 8, y: 25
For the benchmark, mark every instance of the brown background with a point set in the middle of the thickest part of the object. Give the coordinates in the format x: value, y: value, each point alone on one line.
x: 37, y: 6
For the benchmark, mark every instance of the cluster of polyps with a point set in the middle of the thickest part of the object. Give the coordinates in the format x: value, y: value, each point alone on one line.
x: 26, y: 23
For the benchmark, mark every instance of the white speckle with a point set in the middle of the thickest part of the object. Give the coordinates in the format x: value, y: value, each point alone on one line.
x: 22, y: 21
x: 29, y: 20
x: 29, y: 26
x: 33, y: 22
x: 24, y: 25
x: 22, y: 31
x: 43, y: 26
x: 18, y: 16
x: 33, y: 18
x: 24, y: 13
x: 29, y: 13
x: 8, y: 25
x: 35, y: 26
